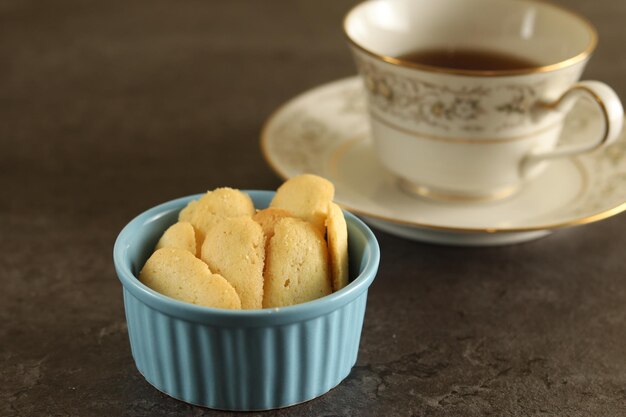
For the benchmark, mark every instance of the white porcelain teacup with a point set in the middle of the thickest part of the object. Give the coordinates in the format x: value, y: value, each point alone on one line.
x: 471, y: 134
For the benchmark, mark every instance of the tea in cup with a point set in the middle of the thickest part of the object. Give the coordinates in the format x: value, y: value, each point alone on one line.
x: 467, y: 98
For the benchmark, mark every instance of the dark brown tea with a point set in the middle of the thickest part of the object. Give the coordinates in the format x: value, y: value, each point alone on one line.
x: 468, y: 59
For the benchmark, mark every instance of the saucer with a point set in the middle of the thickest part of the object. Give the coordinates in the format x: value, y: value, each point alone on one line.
x: 325, y: 131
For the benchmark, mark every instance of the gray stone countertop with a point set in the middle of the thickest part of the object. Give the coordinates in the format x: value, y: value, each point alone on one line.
x: 110, y: 107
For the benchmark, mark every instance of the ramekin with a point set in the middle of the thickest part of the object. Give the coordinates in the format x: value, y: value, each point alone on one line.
x: 241, y: 360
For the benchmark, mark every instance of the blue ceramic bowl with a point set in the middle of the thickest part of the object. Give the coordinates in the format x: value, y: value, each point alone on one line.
x: 241, y: 359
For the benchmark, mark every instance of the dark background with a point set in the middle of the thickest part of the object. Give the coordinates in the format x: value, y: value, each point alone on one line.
x: 110, y: 107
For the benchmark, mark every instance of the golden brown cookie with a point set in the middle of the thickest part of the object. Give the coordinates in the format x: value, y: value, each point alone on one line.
x: 235, y: 249
x: 207, y: 211
x: 337, y: 235
x: 307, y: 197
x: 177, y: 273
x: 268, y: 218
x: 179, y: 235
x: 296, y: 267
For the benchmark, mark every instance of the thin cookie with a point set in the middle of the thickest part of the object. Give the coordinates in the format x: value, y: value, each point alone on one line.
x: 178, y: 274
x: 179, y: 235
x: 296, y: 267
x: 337, y: 235
x: 268, y: 218
x: 209, y: 209
x: 307, y: 197
x: 235, y: 248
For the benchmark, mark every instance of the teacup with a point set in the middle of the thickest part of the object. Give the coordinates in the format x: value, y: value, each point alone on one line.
x: 464, y: 132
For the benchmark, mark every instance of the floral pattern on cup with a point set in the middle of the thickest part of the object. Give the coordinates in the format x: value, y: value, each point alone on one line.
x: 306, y: 134
x: 443, y: 107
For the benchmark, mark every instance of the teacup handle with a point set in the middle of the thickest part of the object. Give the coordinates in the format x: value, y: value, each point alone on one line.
x: 612, y: 112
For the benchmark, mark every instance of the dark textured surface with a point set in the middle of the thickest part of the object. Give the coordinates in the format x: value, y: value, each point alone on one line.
x: 110, y: 107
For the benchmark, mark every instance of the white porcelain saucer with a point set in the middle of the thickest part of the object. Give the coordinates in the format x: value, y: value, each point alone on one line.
x: 325, y: 131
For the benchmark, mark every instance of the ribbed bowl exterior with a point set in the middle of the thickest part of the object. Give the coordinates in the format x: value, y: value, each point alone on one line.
x: 242, y: 360
x: 239, y: 368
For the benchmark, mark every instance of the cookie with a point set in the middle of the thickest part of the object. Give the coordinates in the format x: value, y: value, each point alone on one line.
x: 178, y: 274
x: 235, y: 249
x: 225, y: 201
x: 268, y: 218
x: 337, y: 236
x: 296, y: 268
x: 179, y: 235
x: 307, y: 197
x: 209, y: 209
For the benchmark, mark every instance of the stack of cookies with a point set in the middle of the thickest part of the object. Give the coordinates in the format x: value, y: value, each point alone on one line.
x: 224, y: 253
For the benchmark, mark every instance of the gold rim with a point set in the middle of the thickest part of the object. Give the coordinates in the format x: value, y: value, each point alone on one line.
x: 593, y: 41
x: 577, y: 222
x: 264, y: 140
